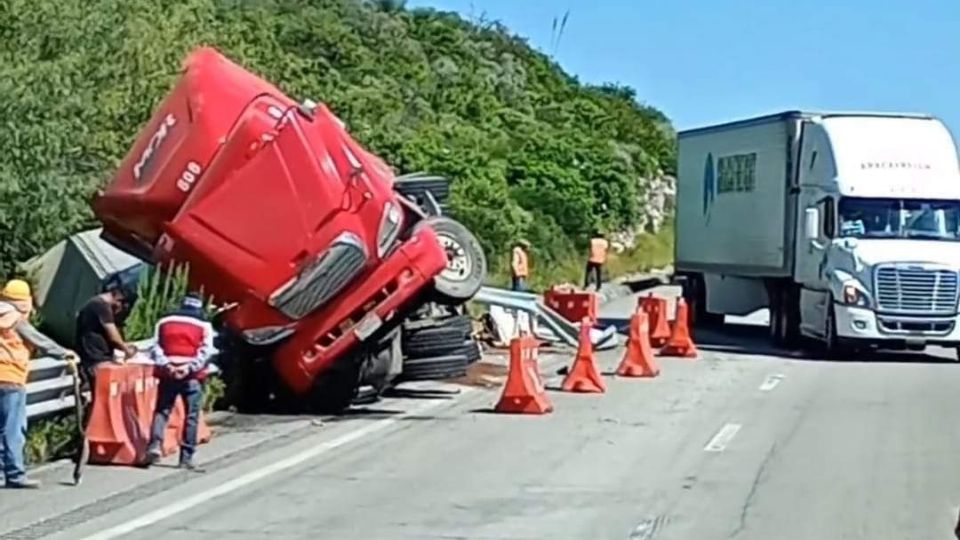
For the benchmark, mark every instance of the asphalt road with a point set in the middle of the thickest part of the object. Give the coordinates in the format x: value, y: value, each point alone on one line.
x: 747, y: 442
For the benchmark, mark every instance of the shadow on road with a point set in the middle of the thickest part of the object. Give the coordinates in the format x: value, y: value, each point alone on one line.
x: 753, y: 340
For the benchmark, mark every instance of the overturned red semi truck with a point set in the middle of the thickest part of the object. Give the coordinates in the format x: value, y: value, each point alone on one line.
x: 280, y: 213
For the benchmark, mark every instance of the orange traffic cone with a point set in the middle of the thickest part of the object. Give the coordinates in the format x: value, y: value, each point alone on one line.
x: 524, y: 392
x: 659, y: 329
x: 680, y: 343
x: 638, y: 360
x: 646, y: 304
x: 583, y: 376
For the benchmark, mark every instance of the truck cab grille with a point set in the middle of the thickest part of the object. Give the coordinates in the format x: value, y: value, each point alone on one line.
x: 323, y: 279
x: 916, y: 290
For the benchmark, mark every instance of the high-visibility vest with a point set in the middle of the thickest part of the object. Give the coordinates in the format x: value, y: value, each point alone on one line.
x: 598, y: 250
x: 14, y: 358
x: 520, y: 264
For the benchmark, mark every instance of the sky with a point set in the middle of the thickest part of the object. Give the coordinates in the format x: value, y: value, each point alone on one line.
x: 711, y: 61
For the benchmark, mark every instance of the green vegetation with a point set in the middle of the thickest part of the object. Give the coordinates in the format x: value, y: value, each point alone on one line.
x: 532, y: 152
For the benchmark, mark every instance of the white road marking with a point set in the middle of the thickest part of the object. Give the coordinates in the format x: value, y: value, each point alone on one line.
x: 197, y: 499
x: 723, y: 437
x: 771, y: 382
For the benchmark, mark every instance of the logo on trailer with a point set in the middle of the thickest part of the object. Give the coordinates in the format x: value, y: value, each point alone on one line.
x: 153, y: 145
x: 709, y: 186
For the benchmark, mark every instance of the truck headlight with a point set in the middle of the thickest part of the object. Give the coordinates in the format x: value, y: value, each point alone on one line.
x: 390, y: 224
x: 267, y: 335
x: 854, y: 295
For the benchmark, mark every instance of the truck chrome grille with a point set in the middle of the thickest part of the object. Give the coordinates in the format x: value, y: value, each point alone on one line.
x: 902, y: 289
x: 323, y: 279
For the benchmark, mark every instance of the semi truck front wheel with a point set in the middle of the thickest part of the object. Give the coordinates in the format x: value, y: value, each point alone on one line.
x: 466, y: 263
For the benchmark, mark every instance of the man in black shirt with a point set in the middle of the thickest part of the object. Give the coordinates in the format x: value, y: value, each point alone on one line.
x: 98, y: 333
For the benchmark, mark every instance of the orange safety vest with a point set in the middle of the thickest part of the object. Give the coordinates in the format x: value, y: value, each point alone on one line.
x: 520, y: 264
x: 14, y: 358
x: 598, y: 250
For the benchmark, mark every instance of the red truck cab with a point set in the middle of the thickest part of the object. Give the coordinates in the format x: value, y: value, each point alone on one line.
x: 276, y: 209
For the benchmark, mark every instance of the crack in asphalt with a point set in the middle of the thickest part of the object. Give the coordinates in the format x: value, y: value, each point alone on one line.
x: 754, y: 487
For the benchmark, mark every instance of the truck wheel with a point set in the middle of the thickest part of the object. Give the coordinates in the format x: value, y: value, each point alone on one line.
x: 832, y: 347
x: 466, y: 264
x: 435, y: 368
x: 334, y: 390
x: 695, y: 295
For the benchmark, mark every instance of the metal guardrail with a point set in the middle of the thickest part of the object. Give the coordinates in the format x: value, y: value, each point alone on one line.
x: 50, y: 385
x: 534, y: 307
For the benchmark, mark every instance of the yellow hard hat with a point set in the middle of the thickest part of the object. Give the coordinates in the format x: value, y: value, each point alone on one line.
x: 17, y: 290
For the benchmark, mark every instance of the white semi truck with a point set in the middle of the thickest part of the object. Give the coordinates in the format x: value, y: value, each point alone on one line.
x: 845, y: 225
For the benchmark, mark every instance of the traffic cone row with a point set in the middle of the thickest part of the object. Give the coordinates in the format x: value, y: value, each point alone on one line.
x: 524, y: 392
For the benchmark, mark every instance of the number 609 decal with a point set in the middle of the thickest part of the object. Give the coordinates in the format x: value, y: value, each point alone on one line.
x: 189, y: 176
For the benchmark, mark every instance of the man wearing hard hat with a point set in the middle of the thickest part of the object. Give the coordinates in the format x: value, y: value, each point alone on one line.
x: 18, y: 340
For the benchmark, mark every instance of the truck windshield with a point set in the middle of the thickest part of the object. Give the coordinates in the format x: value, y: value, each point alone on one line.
x: 899, y: 218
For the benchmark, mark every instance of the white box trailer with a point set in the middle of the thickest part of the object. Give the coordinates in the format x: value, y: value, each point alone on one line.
x: 845, y: 225
x: 732, y: 198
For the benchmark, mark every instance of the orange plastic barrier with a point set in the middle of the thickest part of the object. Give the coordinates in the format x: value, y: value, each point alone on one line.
x: 118, y: 430
x: 572, y: 305
x: 524, y: 392
x: 583, y: 376
x: 638, y: 360
x: 680, y: 343
x: 659, y: 328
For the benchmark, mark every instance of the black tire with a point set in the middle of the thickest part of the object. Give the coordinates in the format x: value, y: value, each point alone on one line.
x: 461, y: 322
x: 785, y: 316
x: 695, y: 295
x: 434, y: 368
x: 435, y: 337
x: 416, y: 186
x: 334, y: 390
x: 831, y: 346
x: 467, y: 265
x: 471, y: 351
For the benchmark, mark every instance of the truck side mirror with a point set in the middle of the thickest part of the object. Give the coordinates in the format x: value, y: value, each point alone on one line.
x: 811, y: 223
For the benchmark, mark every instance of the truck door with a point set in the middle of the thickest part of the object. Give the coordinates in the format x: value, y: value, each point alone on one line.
x: 817, y: 190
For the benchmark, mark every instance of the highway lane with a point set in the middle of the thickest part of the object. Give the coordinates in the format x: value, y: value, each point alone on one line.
x: 748, y: 442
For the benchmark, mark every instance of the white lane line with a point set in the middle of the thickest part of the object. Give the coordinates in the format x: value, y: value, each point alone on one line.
x: 197, y: 499
x: 771, y: 382
x: 723, y: 437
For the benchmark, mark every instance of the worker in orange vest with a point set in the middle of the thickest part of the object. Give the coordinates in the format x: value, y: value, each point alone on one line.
x: 520, y: 266
x: 18, y: 339
x: 598, y: 257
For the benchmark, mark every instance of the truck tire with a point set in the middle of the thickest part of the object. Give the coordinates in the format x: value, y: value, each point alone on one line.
x: 334, y: 390
x: 435, y: 368
x: 471, y: 351
x: 784, y: 316
x: 466, y: 263
x: 461, y: 322
x: 832, y: 347
x: 695, y: 295
x: 435, y: 337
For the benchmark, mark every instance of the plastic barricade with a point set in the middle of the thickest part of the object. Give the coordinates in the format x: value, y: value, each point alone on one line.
x: 572, y: 305
x: 125, y: 397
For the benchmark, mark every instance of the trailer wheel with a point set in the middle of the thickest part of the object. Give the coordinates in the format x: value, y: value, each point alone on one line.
x: 695, y: 295
x: 466, y: 263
